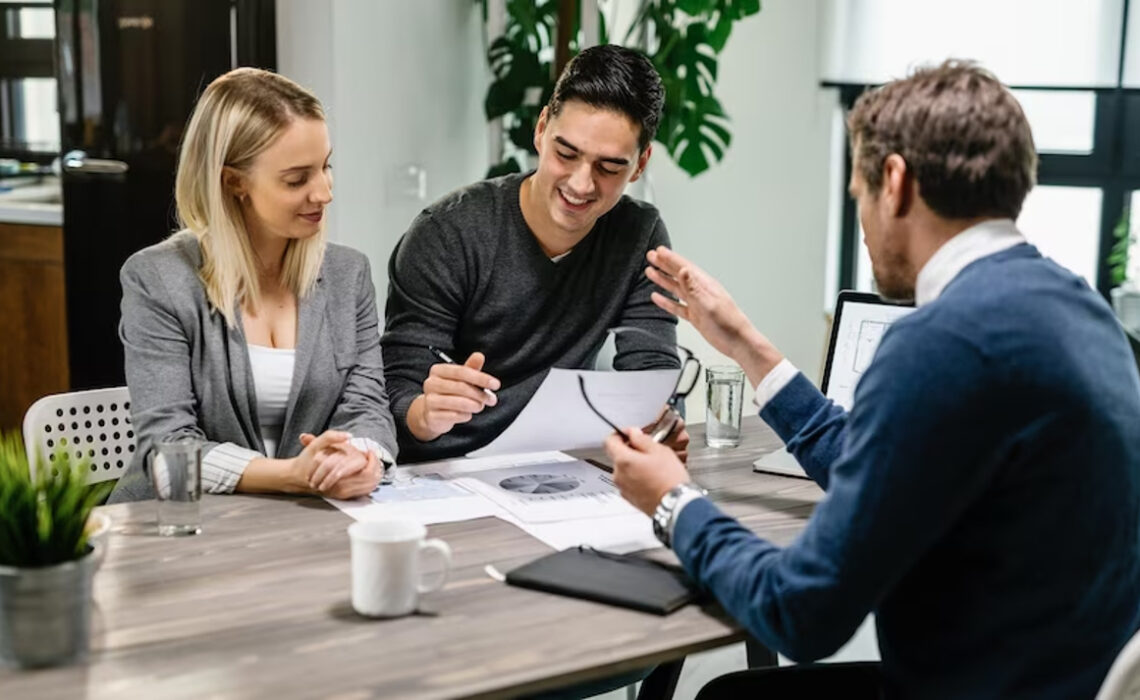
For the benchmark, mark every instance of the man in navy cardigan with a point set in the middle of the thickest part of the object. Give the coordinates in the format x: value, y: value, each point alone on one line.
x: 983, y: 494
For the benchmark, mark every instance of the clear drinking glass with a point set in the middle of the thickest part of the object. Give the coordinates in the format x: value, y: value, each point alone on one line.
x: 725, y: 387
x: 176, y: 473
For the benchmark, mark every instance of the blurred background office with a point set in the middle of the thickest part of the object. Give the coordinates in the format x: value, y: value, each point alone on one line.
x: 109, y: 83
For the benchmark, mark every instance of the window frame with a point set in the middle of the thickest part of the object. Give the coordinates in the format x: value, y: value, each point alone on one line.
x: 1113, y: 167
x: 20, y: 58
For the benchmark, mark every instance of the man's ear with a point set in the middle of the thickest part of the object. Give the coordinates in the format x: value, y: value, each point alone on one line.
x: 642, y: 161
x: 898, y: 185
x: 540, y: 127
x: 233, y: 182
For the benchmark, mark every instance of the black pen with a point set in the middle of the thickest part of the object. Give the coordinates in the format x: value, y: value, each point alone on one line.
x: 443, y: 357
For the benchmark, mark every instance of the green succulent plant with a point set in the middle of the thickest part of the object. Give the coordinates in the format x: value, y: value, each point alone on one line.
x: 43, y: 516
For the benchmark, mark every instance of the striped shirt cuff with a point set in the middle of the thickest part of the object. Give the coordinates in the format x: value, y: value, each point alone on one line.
x: 223, y: 466
x: 773, y: 382
x: 369, y: 445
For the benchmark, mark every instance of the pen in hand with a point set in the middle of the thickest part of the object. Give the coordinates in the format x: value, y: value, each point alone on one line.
x: 443, y: 357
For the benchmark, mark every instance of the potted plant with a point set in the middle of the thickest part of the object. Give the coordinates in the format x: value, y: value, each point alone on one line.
x: 46, y: 562
x: 683, y: 39
x: 1125, y: 274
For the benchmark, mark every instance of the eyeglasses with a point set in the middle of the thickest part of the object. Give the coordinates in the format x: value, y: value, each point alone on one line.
x: 686, y: 380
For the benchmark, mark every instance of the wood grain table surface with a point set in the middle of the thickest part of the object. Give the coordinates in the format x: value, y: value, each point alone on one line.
x: 258, y: 605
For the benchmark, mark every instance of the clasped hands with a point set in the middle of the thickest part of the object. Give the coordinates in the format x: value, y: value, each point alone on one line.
x: 331, y: 466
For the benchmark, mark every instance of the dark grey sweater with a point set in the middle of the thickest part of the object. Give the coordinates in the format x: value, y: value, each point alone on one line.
x: 470, y: 276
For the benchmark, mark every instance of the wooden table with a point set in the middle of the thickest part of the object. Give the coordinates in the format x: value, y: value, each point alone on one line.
x: 258, y: 606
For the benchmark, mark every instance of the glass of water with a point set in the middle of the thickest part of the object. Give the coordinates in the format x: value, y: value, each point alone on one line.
x: 725, y: 387
x: 176, y: 473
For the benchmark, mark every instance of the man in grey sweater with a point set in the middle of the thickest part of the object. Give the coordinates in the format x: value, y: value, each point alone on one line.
x: 516, y: 275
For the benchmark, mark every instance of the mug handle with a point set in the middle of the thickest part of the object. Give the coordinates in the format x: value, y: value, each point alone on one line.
x: 444, y: 552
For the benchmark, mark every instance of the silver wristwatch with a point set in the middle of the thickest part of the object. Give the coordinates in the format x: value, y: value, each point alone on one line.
x: 663, y: 515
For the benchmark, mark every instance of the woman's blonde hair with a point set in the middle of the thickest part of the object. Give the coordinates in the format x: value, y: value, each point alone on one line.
x: 238, y: 116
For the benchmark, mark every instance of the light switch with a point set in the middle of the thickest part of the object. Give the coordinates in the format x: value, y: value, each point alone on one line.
x: 409, y: 182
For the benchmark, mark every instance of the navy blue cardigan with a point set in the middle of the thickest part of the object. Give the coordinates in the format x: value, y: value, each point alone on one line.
x: 983, y: 497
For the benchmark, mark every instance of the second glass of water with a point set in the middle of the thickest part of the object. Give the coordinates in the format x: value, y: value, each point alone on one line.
x: 725, y: 387
x: 176, y: 473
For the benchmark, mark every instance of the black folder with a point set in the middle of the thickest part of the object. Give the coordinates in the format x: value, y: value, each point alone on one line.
x: 615, y: 579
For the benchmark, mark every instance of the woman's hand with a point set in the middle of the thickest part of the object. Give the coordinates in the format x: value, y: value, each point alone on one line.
x: 302, y: 467
x: 343, y: 471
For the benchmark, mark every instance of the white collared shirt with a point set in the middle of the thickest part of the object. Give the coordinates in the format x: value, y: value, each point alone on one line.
x: 978, y: 241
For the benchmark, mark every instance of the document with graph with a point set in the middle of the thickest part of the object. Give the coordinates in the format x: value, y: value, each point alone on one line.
x: 551, y: 490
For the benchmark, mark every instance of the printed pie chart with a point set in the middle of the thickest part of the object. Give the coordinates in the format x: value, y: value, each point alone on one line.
x: 540, y: 483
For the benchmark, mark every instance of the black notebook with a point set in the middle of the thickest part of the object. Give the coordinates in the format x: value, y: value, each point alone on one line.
x: 616, y: 579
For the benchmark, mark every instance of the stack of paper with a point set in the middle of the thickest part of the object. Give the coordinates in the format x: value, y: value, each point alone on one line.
x: 554, y: 497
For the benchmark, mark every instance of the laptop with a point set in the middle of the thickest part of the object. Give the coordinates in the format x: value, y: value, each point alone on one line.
x: 860, y: 321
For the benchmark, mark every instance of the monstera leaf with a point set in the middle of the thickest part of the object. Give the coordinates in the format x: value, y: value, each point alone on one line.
x: 516, y: 70
x: 689, y: 36
x: 683, y: 39
x: 523, y: 74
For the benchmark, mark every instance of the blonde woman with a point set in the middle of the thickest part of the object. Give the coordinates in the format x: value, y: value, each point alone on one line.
x: 246, y: 329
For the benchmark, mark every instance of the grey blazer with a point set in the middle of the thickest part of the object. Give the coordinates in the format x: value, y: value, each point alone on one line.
x: 189, y: 373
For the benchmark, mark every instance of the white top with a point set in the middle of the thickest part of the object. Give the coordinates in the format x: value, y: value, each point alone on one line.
x: 223, y: 466
x: 272, y: 376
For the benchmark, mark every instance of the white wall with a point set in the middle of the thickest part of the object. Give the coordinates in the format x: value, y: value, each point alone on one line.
x: 758, y: 221
x: 403, y: 84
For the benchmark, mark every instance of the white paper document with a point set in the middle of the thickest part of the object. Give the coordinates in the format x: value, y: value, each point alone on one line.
x: 620, y: 534
x: 428, y: 498
x: 557, y: 417
x: 555, y: 498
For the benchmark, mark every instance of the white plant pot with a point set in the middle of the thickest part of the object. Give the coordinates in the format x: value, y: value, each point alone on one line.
x: 1126, y: 303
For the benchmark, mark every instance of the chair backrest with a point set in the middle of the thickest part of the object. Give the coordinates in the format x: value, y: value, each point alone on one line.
x: 1123, y: 679
x: 87, y: 424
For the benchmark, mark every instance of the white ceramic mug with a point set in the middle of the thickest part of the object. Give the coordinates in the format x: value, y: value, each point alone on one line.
x: 386, y: 566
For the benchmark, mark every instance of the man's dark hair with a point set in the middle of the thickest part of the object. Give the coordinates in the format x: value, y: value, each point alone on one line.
x: 615, y: 78
x: 962, y: 134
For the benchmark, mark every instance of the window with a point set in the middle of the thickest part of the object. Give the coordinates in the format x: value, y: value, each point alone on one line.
x: 1063, y: 222
x: 1062, y: 120
x: 29, y: 124
x: 1075, y: 69
x: 1088, y: 144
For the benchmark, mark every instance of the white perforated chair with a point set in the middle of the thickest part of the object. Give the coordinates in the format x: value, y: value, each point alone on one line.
x: 95, y: 425
x: 1123, y: 679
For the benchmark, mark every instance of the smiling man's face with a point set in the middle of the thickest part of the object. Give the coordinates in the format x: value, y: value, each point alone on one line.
x: 586, y: 157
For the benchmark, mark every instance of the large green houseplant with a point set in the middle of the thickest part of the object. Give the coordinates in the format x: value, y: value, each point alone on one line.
x: 46, y: 564
x: 683, y: 38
